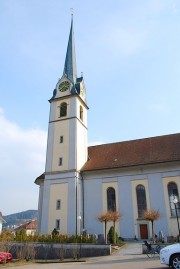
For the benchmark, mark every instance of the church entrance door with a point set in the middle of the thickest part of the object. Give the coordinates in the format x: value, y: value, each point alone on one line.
x: 143, y: 231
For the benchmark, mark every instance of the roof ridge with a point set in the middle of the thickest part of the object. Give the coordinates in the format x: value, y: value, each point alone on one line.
x: 133, y: 140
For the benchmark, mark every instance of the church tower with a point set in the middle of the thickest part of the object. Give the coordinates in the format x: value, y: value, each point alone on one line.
x: 60, y: 196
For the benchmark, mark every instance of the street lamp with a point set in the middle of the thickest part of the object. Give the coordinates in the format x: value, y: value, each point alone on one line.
x: 175, y: 201
x: 79, y: 224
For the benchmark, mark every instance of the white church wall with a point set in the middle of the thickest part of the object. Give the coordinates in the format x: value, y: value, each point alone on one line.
x: 58, y: 186
x: 40, y: 204
x: 50, y: 141
x: 0, y: 227
x: 126, y: 207
x: 61, y: 149
x: 158, y: 201
x: 127, y: 180
x: 80, y: 204
x: 93, y: 206
x: 77, y: 135
x: 112, y: 183
x: 171, y: 221
x: 82, y: 148
x: 72, y: 143
x: 49, y: 151
x: 72, y: 215
x: 134, y: 183
x: 45, y: 208
x: 52, y: 113
x: 58, y: 191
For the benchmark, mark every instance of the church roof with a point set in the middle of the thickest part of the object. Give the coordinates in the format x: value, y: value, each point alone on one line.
x: 151, y: 150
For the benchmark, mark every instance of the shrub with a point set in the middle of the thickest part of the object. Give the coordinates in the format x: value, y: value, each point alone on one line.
x: 111, y: 235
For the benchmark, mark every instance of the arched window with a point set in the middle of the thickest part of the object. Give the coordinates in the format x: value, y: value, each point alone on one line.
x: 141, y: 200
x: 63, y: 109
x: 173, y: 193
x: 111, y: 199
x: 81, y: 113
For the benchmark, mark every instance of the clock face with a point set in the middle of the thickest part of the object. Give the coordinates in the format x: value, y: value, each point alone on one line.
x: 63, y: 86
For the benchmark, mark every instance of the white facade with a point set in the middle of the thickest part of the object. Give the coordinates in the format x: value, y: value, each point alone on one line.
x: 61, y: 184
x: 154, y: 178
x: 73, y: 189
x: 73, y: 130
x: 2, y: 221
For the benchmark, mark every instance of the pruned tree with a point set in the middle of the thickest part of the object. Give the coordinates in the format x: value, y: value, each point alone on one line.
x: 152, y: 215
x: 115, y: 216
x: 105, y: 217
x: 5, y: 238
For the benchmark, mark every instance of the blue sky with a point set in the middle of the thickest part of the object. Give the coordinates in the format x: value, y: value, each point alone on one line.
x: 129, y: 53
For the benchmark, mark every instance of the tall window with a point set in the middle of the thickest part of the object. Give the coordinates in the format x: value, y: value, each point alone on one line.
x: 58, y: 204
x: 111, y: 199
x: 63, y: 109
x: 173, y: 193
x: 60, y: 161
x: 61, y: 139
x: 81, y: 113
x: 58, y: 224
x: 141, y: 200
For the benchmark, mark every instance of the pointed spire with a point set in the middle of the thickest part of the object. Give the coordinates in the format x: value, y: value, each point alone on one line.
x: 70, y: 61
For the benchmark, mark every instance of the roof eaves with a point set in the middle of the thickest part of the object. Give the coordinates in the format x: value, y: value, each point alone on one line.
x: 125, y: 166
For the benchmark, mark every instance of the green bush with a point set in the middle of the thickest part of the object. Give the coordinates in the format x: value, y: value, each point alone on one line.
x: 111, y: 235
x: 54, y: 237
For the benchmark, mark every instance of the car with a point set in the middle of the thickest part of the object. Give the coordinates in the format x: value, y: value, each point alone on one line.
x: 5, y: 257
x: 2, y: 258
x: 170, y: 255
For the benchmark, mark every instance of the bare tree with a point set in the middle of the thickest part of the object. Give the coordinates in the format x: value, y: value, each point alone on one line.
x: 115, y: 216
x: 5, y: 238
x: 152, y: 215
x: 105, y: 217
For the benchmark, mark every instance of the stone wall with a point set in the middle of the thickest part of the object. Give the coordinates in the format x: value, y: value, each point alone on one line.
x: 48, y: 251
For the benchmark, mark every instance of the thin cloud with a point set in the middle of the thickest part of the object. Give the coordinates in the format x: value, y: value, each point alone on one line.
x: 22, y: 157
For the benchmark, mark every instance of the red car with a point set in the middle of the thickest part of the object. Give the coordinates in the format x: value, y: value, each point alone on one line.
x: 5, y: 257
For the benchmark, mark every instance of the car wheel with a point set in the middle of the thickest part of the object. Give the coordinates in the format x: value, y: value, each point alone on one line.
x: 175, y: 261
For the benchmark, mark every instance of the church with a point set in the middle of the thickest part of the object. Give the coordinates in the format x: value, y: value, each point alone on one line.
x: 81, y: 182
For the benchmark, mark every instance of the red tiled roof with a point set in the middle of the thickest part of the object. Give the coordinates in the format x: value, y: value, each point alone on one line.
x: 135, y: 152
x: 31, y: 225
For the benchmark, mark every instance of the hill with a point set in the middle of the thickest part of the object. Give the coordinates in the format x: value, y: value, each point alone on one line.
x: 17, y: 219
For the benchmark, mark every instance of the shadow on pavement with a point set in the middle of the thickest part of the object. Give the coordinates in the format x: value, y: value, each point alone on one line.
x: 143, y: 259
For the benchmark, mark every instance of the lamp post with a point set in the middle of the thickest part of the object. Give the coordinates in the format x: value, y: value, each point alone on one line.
x: 175, y: 201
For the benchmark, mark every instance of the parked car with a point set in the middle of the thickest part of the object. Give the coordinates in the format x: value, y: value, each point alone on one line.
x: 170, y: 256
x: 5, y: 257
x: 2, y: 258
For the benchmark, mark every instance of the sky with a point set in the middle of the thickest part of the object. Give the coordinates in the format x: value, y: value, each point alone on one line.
x: 129, y: 53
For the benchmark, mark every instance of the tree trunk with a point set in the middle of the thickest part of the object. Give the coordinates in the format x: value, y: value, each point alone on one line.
x: 114, y: 232
x: 153, y: 231
x: 105, y: 224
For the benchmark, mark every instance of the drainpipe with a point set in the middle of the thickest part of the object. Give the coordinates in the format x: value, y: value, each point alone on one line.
x: 82, y: 200
x: 76, y: 204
